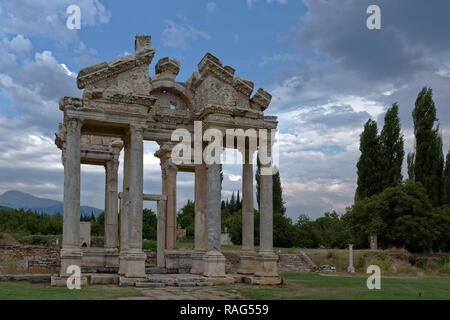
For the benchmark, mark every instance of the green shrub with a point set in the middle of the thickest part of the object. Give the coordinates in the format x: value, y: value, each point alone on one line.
x: 383, y: 261
x: 442, y: 260
x: 37, y: 240
x: 149, y: 245
x: 420, y: 262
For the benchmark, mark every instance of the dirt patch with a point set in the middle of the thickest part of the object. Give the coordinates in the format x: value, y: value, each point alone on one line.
x: 7, y: 240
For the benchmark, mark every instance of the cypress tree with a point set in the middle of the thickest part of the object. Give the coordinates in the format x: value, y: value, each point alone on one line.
x: 232, y: 207
x: 277, y: 190
x: 391, y: 149
x: 429, y: 159
x: 278, y: 203
x: 369, y: 163
x: 411, y: 159
x: 446, y: 195
x: 238, y: 202
x: 257, y: 175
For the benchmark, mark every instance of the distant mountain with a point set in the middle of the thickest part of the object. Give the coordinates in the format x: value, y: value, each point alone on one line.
x: 19, y: 200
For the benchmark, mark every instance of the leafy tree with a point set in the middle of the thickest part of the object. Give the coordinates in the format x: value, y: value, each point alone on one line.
x: 186, y: 218
x: 284, y: 232
x: 391, y: 149
x: 369, y: 164
x: 429, y: 158
x: 380, y: 213
x: 149, y: 224
x: 441, y: 228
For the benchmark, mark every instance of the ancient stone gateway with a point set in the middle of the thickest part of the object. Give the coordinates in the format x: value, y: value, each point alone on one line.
x: 120, y: 108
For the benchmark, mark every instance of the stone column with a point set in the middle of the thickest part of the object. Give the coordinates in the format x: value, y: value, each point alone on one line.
x: 201, y: 228
x: 71, y: 253
x: 247, y: 256
x: 266, y: 269
x: 161, y: 231
x: 135, y: 258
x: 124, y: 208
x: 111, y: 209
x: 350, y: 268
x: 373, y: 242
x: 171, y: 218
x: 214, y: 261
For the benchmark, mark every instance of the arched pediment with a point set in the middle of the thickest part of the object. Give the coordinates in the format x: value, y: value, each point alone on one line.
x: 170, y: 95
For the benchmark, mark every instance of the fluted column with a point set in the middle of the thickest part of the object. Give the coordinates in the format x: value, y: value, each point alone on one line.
x: 111, y: 208
x: 266, y: 260
x: 135, y: 257
x: 266, y: 214
x: 247, y: 256
x: 200, y: 220
x: 123, y: 245
x: 171, y: 218
x: 71, y: 253
x: 214, y: 261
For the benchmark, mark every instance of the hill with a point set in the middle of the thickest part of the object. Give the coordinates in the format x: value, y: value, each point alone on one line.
x: 21, y: 200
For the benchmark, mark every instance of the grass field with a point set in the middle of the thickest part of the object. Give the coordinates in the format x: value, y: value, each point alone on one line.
x: 27, y: 291
x: 331, y: 287
x: 297, y: 286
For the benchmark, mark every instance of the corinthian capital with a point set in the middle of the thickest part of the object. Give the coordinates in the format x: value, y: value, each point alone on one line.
x: 73, y: 125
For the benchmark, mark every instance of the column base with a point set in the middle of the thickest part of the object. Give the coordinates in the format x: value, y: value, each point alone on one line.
x: 266, y: 269
x: 134, y: 264
x: 122, y: 263
x: 111, y: 257
x: 247, y: 264
x: 197, y: 262
x: 214, y: 264
x: 351, y: 269
x: 69, y: 257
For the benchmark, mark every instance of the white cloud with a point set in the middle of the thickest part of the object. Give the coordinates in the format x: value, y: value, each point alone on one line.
x: 251, y: 2
x: 177, y: 36
x: 278, y: 57
x: 18, y: 44
x: 211, y: 7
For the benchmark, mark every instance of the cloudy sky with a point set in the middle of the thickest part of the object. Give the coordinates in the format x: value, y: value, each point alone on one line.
x: 327, y: 72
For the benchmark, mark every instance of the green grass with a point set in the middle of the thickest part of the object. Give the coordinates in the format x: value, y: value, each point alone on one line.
x: 26, y: 291
x: 297, y: 286
x: 315, y: 286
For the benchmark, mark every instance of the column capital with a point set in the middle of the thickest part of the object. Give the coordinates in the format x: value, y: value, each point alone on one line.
x: 116, y: 147
x: 73, y: 125
x: 169, y: 168
x: 137, y: 132
x: 247, y: 155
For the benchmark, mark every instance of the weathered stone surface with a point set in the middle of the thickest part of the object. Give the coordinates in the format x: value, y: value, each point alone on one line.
x: 120, y: 101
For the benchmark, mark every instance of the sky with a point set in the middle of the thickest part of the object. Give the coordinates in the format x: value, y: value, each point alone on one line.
x: 327, y: 72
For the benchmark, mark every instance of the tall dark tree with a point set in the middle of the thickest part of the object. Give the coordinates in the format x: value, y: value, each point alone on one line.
x: 411, y: 159
x: 278, y: 203
x: 257, y: 178
x: 429, y: 157
x: 232, y: 206
x: 392, y: 150
x: 369, y: 163
x: 446, y: 195
x: 238, y: 202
